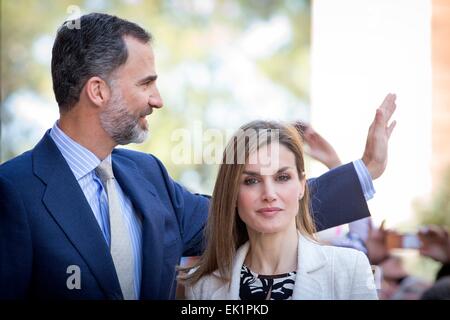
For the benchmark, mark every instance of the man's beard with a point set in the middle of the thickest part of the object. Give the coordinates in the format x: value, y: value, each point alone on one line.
x: 122, y: 126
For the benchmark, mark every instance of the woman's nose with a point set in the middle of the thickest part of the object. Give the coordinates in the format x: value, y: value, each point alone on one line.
x: 269, y: 193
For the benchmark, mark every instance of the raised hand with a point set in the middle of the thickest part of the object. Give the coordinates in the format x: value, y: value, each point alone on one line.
x: 319, y: 148
x: 435, y: 243
x: 376, y: 152
x: 377, y: 250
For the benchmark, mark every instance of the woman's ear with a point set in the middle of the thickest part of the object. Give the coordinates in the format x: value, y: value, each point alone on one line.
x: 302, y: 188
x: 97, y: 91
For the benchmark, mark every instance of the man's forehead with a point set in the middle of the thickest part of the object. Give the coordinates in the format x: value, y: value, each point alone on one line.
x: 140, y: 61
x: 132, y: 39
x: 138, y: 49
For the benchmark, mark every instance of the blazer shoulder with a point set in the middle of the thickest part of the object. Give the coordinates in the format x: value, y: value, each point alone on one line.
x: 346, y: 262
x: 353, y: 277
x: 144, y: 161
x: 18, y: 167
x: 134, y: 155
x: 344, y: 256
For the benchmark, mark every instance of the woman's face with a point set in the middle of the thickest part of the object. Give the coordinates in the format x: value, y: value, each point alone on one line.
x: 268, y: 198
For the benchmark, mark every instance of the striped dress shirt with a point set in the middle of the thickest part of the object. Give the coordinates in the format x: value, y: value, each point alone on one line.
x: 83, y: 162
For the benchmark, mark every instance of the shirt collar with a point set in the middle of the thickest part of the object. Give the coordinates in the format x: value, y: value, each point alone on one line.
x: 80, y: 160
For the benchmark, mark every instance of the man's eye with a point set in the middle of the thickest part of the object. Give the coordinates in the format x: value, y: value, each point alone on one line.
x: 284, y: 177
x: 250, y: 181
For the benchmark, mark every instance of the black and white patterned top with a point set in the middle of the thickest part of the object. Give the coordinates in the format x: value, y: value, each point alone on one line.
x: 266, y: 287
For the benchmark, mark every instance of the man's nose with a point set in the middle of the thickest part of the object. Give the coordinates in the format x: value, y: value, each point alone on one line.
x: 155, y: 100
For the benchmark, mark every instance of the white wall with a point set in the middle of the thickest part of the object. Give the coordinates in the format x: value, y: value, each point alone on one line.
x: 361, y: 50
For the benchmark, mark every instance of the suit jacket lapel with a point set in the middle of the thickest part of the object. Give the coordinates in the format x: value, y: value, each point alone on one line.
x: 145, y: 200
x: 310, y: 259
x: 230, y: 290
x: 67, y: 204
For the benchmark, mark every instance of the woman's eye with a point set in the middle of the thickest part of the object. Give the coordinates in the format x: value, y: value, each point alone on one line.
x: 250, y: 181
x: 284, y: 177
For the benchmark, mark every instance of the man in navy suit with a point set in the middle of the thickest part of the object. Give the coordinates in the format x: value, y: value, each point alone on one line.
x: 55, y: 229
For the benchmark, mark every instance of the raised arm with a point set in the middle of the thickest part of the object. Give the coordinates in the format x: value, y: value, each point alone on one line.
x: 339, y: 196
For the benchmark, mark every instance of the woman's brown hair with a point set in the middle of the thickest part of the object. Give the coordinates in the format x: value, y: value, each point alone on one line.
x: 225, y: 232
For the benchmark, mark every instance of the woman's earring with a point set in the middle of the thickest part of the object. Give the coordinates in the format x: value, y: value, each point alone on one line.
x: 300, y: 197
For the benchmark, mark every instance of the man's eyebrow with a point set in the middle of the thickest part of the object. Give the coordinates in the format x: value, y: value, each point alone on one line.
x: 148, y: 79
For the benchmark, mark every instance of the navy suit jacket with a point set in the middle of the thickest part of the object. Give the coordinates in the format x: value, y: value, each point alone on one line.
x: 47, y: 225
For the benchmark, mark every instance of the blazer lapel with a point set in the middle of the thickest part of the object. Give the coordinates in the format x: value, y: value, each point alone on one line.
x: 145, y: 200
x: 310, y: 260
x: 67, y: 204
x: 230, y: 291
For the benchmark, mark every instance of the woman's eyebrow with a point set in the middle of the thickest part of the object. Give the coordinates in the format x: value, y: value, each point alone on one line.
x: 254, y: 173
x: 251, y: 173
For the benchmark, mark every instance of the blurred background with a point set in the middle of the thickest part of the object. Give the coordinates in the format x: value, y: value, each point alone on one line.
x: 222, y: 63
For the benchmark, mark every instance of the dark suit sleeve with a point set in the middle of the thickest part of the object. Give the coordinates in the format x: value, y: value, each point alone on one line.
x: 337, y: 198
x: 191, y: 211
x: 15, y: 244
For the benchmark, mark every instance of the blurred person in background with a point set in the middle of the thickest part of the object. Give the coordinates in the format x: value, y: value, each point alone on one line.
x: 435, y: 244
x: 396, y: 282
x: 439, y: 291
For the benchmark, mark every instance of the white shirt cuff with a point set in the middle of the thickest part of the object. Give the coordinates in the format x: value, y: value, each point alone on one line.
x: 364, y: 179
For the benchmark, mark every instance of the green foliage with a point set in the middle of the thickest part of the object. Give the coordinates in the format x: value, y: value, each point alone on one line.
x: 191, y: 37
x: 22, y: 23
x: 438, y: 210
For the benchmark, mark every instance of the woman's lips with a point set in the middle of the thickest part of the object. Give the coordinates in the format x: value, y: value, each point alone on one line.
x: 269, y: 211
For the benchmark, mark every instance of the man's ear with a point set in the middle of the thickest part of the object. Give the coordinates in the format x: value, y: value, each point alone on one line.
x: 97, y: 91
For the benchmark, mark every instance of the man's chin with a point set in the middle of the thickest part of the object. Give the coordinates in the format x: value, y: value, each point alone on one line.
x: 141, y: 136
x: 138, y: 137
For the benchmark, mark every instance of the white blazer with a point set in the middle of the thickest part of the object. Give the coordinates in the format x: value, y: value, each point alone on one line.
x: 323, y: 272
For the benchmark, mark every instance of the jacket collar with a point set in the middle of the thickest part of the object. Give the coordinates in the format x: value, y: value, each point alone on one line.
x: 310, y: 259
